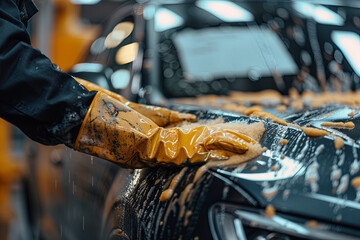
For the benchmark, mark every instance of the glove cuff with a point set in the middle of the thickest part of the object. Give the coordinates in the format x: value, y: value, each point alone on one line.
x: 77, y: 142
x: 113, y: 131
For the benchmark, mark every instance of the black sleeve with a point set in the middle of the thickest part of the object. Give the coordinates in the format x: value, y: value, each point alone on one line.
x: 46, y: 104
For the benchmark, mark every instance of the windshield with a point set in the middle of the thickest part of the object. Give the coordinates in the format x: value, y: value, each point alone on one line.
x: 223, y: 52
x: 214, y: 47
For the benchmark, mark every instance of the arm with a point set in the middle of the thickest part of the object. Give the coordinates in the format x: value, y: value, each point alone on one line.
x: 46, y: 104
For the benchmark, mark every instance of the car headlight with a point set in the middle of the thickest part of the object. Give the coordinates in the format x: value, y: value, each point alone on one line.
x: 229, y: 221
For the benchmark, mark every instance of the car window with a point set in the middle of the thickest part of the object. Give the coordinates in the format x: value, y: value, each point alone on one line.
x: 232, y: 51
x: 306, y: 48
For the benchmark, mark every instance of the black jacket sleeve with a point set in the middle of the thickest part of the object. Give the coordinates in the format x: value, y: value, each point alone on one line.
x: 47, y: 104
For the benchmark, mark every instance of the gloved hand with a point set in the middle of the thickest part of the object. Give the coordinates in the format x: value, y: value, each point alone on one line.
x: 113, y: 131
x: 161, y: 116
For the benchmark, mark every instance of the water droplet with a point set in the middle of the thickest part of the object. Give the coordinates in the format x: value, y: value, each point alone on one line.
x: 283, y: 13
x: 338, y: 56
x: 254, y: 74
x: 306, y: 58
x: 344, y: 182
x: 328, y: 48
x: 168, y: 73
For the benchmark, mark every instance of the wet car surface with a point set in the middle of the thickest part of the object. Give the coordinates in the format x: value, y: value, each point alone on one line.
x: 305, y: 188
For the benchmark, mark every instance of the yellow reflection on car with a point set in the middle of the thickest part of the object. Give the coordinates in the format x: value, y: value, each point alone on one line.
x: 118, y: 34
x: 127, y: 53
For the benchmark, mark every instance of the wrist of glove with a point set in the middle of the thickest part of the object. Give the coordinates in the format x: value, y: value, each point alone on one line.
x: 114, y: 131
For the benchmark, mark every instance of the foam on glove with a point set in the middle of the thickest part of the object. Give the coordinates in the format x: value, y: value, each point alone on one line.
x: 116, y: 132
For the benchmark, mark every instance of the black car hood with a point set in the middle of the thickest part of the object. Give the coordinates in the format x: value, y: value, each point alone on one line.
x: 307, y: 176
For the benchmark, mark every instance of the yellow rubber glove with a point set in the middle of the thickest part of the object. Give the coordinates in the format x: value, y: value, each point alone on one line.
x: 161, y: 116
x: 113, y: 131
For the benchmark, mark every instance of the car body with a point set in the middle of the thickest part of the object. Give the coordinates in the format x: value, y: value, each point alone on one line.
x: 156, y: 52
